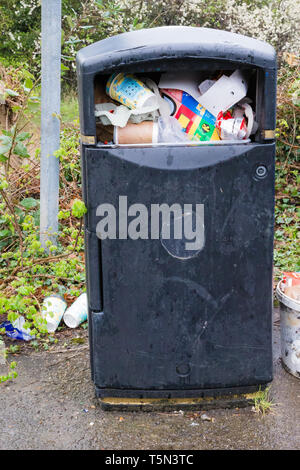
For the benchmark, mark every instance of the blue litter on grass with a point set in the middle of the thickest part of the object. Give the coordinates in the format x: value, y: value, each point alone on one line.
x: 14, y: 332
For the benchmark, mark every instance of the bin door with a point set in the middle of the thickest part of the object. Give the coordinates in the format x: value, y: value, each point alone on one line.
x: 177, y: 318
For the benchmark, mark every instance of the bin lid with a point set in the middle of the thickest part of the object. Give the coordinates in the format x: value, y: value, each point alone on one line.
x: 174, y: 42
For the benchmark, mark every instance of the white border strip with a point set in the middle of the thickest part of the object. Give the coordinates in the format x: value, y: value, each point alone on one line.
x: 178, y: 144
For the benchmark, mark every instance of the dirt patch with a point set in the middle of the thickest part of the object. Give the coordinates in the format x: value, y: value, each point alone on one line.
x: 52, y: 405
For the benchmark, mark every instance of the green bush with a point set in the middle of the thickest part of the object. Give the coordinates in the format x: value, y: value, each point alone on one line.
x: 84, y: 22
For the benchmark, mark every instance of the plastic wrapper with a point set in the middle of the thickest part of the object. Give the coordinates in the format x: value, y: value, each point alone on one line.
x: 15, y: 333
x: 231, y: 128
x: 169, y: 130
x: 111, y: 114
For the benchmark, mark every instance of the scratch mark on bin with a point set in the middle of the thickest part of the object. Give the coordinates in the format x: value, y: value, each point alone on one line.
x: 231, y: 210
x: 204, y: 294
x: 201, y: 291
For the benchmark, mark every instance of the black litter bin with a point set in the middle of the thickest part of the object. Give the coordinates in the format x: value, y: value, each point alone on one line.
x: 165, y: 321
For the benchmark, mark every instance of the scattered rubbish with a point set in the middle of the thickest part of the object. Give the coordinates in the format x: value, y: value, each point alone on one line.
x: 77, y: 313
x: 133, y: 110
x: 194, y: 424
x: 15, y: 333
x: 92, y: 424
x: 287, y: 292
x: 204, y: 417
x: 53, y: 309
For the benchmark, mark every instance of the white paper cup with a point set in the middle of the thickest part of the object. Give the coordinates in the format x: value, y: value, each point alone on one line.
x: 130, y: 91
x: 77, y: 313
x: 52, y: 311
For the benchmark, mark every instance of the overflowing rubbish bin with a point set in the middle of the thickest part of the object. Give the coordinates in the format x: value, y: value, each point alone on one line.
x: 177, y: 147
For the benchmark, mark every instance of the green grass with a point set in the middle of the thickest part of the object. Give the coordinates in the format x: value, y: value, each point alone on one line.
x: 287, y: 218
x: 262, y: 401
x: 68, y: 110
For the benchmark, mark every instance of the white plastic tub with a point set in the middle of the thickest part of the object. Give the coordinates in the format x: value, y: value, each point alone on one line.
x: 289, y: 332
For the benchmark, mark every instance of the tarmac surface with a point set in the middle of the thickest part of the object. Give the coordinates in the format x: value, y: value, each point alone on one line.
x: 51, y: 405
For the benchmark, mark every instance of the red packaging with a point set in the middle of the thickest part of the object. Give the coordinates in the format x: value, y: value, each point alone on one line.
x: 231, y: 128
x: 291, y: 279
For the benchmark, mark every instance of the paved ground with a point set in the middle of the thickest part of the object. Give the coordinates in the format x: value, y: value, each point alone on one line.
x: 52, y: 406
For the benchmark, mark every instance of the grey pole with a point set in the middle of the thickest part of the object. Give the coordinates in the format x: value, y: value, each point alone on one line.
x: 50, y: 125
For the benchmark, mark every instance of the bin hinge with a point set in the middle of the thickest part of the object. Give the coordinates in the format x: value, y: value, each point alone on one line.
x: 88, y: 139
x: 268, y: 134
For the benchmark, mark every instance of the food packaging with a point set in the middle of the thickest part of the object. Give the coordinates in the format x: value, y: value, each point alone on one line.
x: 225, y: 93
x: 197, y: 122
x: 231, y: 128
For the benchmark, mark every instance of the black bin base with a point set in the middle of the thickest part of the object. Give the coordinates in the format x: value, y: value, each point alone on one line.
x: 172, y: 400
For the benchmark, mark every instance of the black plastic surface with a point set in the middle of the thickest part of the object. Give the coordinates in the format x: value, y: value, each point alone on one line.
x: 160, y: 325
x: 199, y: 323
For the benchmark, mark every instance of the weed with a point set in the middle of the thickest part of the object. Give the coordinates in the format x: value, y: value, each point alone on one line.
x: 262, y: 401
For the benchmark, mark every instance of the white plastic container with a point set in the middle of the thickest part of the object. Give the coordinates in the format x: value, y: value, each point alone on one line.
x: 77, y: 313
x: 289, y: 331
x: 52, y: 311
